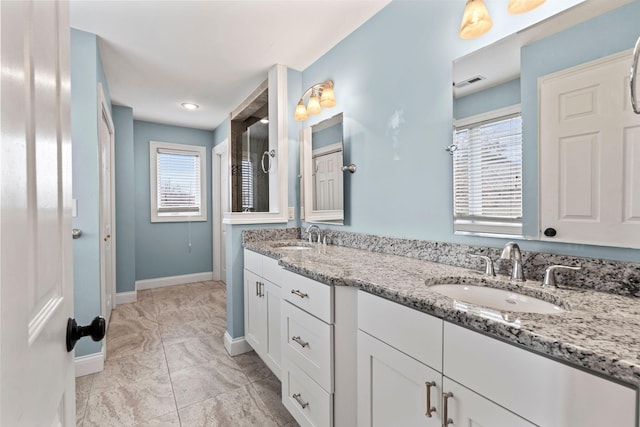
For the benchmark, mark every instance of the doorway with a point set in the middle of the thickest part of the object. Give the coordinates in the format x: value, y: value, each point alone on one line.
x: 220, y: 188
x: 107, y: 206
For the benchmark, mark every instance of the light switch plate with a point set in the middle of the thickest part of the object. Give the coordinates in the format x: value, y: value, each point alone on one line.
x: 292, y: 212
x: 74, y: 208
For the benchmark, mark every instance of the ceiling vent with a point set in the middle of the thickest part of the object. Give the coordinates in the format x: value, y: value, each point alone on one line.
x: 469, y: 81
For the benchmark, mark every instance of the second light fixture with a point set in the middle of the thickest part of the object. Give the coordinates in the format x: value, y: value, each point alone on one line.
x: 321, y: 95
x: 476, y: 20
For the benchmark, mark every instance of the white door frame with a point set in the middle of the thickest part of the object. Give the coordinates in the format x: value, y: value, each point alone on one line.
x: 217, y: 154
x: 103, y: 109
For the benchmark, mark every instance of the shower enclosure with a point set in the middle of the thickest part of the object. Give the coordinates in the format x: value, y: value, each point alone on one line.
x: 251, y: 164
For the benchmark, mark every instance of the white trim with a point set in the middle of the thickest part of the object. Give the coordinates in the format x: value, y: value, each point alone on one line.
x: 236, y: 346
x: 153, y: 184
x: 89, y: 364
x: 126, y: 297
x: 217, y: 158
x: 489, y: 115
x: 580, y: 68
x: 161, y: 282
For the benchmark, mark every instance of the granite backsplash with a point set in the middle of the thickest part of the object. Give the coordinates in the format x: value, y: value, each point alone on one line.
x: 617, y: 277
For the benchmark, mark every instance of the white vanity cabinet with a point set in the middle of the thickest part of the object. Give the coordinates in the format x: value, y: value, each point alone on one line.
x: 486, y: 382
x: 399, y: 365
x: 262, y: 305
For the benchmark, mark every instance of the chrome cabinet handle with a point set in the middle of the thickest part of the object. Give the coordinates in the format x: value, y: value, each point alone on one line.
x: 303, y: 344
x: 300, y: 294
x: 430, y: 408
x: 300, y: 401
x: 445, y: 409
x: 632, y: 79
x: 257, y: 292
x: 261, y: 289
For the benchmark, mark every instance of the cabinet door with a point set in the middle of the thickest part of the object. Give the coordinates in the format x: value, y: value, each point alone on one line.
x: 255, y: 313
x: 392, y: 387
x: 271, y: 295
x: 466, y: 408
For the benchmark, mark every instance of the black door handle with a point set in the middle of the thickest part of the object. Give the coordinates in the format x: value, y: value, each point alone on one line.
x: 96, y: 329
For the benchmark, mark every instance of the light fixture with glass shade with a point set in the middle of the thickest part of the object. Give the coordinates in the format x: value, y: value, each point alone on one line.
x: 475, y: 20
x: 522, y: 6
x: 321, y: 96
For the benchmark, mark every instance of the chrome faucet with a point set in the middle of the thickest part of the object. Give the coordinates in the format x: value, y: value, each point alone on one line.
x: 311, y: 229
x: 512, y: 250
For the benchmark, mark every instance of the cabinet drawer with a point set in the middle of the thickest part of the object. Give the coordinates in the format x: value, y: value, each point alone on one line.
x: 253, y: 261
x: 308, y: 342
x: 309, y: 404
x: 271, y: 270
x: 414, y: 333
x: 313, y: 297
x: 545, y: 392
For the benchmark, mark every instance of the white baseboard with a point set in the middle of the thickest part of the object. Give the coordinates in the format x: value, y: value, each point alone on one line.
x: 236, y: 346
x: 161, y: 282
x: 126, y: 297
x: 89, y: 364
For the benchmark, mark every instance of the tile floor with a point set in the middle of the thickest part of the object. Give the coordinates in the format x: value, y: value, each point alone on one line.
x: 167, y: 367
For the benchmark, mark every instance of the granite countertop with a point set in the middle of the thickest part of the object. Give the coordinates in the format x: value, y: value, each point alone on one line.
x: 598, y: 331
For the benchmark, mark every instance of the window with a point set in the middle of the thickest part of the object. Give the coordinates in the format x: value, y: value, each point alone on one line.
x: 487, y: 173
x: 178, y: 186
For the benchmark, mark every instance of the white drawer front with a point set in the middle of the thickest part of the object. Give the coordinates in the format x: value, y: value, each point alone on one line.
x: 543, y: 391
x: 300, y: 390
x: 311, y: 296
x: 271, y: 270
x: 253, y: 261
x: 308, y: 342
x: 414, y: 333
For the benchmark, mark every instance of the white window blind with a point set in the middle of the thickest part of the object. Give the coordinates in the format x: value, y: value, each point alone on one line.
x: 177, y: 182
x: 247, y: 186
x: 487, y: 176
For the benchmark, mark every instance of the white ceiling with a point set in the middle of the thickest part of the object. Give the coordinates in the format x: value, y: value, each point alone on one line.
x: 158, y: 54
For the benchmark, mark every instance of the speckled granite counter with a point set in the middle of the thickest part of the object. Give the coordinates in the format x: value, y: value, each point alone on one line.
x: 598, y: 331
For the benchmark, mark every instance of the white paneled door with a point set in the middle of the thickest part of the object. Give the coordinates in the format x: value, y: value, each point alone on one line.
x: 590, y: 155
x: 37, y: 376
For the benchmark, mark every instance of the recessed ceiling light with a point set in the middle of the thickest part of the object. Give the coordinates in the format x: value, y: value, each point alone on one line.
x: 190, y: 106
x: 264, y: 121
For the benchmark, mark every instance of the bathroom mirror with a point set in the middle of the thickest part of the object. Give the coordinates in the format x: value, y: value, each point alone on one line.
x: 506, y: 73
x: 322, y: 154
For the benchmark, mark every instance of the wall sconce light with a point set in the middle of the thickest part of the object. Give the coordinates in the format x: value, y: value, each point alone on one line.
x: 475, y: 20
x: 522, y: 6
x: 321, y: 96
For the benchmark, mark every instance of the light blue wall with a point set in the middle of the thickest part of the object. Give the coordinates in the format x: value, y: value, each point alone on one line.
x: 125, y: 200
x: 162, y: 248
x: 221, y: 132
x: 86, y: 72
x: 393, y: 82
x: 490, y: 99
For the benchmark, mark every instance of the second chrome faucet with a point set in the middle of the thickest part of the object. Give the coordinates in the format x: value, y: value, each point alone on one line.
x: 512, y: 251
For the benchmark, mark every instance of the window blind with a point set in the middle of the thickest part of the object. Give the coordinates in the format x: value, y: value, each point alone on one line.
x: 247, y: 185
x: 487, y: 176
x: 178, y: 177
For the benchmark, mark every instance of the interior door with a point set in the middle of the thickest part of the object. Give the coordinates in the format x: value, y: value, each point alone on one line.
x: 328, y: 186
x: 107, y: 244
x: 37, y: 377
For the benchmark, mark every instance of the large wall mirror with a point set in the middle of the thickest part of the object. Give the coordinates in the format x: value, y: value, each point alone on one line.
x: 322, y: 158
x: 506, y: 74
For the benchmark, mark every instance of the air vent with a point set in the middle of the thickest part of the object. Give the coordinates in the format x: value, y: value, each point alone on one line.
x: 467, y: 82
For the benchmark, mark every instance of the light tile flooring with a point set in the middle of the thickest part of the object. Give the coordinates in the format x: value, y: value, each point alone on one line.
x: 167, y: 367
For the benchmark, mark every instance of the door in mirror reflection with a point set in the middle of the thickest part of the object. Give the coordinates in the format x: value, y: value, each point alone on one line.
x: 322, y: 171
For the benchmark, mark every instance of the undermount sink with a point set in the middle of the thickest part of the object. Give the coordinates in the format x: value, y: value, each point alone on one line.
x: 293, y: 247
x: 497, y: 299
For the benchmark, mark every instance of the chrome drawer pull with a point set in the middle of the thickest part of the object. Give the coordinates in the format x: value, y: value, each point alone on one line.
x: 430, y: 408
x: 300, y: 294
x: 300, y: 401
x: 303, y: 344
x: 445, y: 411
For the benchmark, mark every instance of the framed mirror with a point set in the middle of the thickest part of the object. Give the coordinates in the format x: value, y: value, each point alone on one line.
x: 322, y: 153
